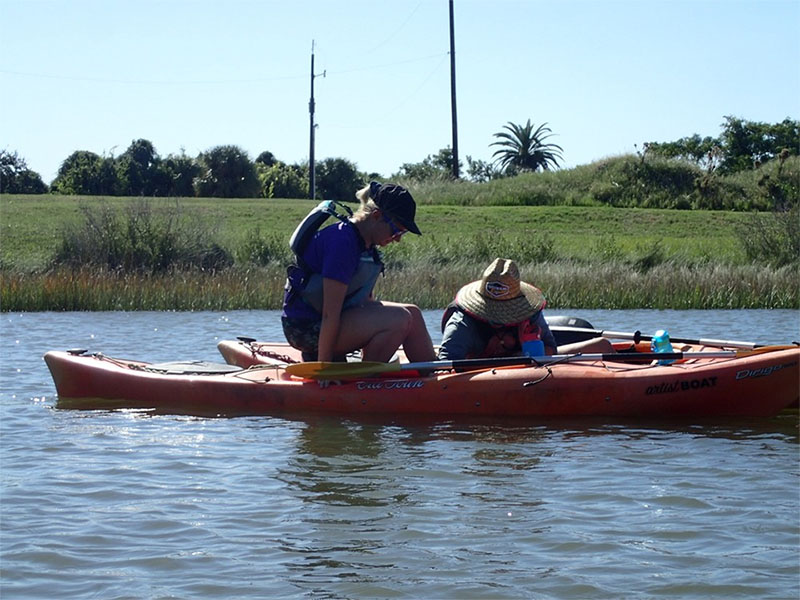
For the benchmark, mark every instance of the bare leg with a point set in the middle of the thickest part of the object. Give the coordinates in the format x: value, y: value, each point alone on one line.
x: 379, y: 328
x: 417, y: 343
x: 597, y: 345
x: 376, y: 329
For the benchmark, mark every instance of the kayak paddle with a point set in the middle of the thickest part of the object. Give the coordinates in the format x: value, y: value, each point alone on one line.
x: 341, y: 370
x: 638, y: 335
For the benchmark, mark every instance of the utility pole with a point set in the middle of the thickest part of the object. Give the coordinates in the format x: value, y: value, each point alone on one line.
x: 311, y: 169
x: 453, y: 92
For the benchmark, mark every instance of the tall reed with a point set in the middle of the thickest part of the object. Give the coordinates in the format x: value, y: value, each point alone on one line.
x: 613, y: 285
x: 570, y: 284
x: 141, y: 238
x: 773, y: 238
x: 99, y: 289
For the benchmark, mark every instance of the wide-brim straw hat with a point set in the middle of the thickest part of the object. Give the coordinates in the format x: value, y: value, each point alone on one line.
x: 500, y: 296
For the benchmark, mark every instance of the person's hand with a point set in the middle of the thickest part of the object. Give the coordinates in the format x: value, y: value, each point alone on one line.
x: 509, y: 341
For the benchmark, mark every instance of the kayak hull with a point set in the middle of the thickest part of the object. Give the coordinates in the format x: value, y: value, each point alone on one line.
x: 756, y: 385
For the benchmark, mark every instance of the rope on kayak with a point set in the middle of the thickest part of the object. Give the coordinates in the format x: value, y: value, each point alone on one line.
x: 258, y: 350
x: 256, y: 368
x: 120, y: 363
x: 540, y: 380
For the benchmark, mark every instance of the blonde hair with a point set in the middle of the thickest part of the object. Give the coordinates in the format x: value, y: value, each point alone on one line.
x: 368, y: 205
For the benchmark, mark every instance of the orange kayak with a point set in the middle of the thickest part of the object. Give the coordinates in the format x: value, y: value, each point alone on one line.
x: 755, y: 383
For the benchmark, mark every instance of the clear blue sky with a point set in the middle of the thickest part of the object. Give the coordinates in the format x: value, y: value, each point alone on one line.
x: 97, y: 74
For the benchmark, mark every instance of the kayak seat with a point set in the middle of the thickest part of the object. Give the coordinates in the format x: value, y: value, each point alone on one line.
x: 569, y: 337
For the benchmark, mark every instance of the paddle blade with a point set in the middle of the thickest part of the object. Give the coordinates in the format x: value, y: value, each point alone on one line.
x: 340, y: 370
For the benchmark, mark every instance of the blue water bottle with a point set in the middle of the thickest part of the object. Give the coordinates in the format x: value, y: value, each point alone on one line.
x: 533, y: 348
x: 660, y: 343
x: 532, y: 345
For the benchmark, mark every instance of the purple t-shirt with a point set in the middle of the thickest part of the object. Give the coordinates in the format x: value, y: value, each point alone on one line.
x: 334, y: 252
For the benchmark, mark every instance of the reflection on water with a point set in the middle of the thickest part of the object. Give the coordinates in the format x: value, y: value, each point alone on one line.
x: 337, y: 464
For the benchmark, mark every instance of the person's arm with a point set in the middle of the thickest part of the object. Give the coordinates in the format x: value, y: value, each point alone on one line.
x: 333, y: 293
x: 459, y: 339
x: 546, y: 335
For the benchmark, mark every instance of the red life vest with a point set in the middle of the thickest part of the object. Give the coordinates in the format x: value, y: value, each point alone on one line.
x: 500, y: 341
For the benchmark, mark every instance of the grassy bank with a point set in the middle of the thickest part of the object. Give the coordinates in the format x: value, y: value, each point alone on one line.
x: 581, y: 256
x: 31, y: 227
x: 613, y: 286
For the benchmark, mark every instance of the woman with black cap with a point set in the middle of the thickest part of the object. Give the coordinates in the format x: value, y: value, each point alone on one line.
x: 329, y: 310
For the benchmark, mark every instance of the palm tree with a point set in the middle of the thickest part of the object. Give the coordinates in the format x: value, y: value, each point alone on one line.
x: 523, y: 149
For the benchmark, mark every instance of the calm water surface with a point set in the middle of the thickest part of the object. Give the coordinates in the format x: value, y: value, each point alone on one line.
x: 126, y: 505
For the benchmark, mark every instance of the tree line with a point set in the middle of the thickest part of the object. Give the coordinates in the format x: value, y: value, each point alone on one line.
x: 224, y: 171
x: 227, y: 171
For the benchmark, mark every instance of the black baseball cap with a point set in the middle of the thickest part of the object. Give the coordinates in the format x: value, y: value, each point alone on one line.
x: 397, y: 202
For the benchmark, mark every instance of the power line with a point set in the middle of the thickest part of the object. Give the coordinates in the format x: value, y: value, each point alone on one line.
x: 178, y: 82
x: 149, y: 81
x: 395, y: 107
x: 392, y: 64
x: 394, y: 33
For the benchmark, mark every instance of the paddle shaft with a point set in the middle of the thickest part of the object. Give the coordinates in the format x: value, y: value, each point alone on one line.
x: 637, y: 335
x: 469, y: 364
x: 332, y: 370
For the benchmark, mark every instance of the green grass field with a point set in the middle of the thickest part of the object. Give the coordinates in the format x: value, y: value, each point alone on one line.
x: 32, y: 225
x: 581, y: 256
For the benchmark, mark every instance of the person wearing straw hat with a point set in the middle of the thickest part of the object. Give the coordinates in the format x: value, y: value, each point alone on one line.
x: 501, y: 315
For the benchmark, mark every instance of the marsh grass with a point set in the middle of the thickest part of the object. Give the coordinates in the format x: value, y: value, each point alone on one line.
x: 773, y: 238
x: 98, y: 289
x: 614, y: 285
x: 141, y: 238
x: 263, y: 249
x: 565, y: 284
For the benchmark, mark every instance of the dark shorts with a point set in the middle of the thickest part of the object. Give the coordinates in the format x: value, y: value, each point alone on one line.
x: 302, y: 334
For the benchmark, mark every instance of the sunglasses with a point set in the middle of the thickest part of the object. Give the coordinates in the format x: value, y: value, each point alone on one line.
x: 396, y: 233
